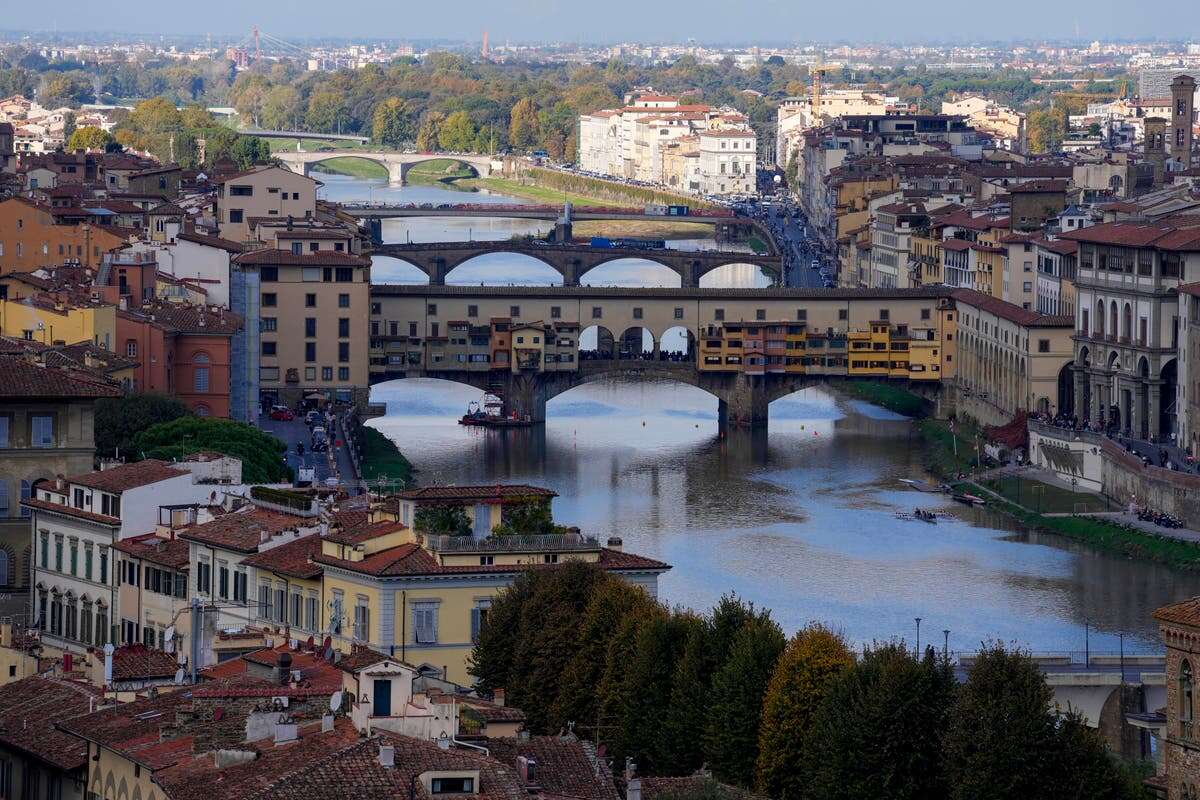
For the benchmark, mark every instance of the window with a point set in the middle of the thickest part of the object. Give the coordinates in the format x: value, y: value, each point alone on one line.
x: 431, y: 309
x: 310, y: 327
x: 760, y: 314
x: 597, y: 312
x: 200, y: 379
x: 41, y: 430
x: 344, y: 352
x: 555, y: 312
x: 223, y: 581
x: 343, y: 327
x: 103, y: 569
x: 425, y: 623
x: 335, y: 612
x: 326, y: 373
x: 268, y: 274
x: 637, y: 312
x: 344, y: 275
x: 236, y: 215
x: 514, y: 311
x: 26, y: 493
x: 719, y: 314
x: 131, y: 348
x: 268, y: 348
x: 362, y: 620
x: 4, y: 423
x: 479, y: 617
x: 264, y: 601
x: 1043, y: 345
x: 343, y: 373
x: 843, y: 314
x: 452, y: 785
x: 239, y: 586
x: 343, y: 301
x: 74, y: 548
x: 377, y: 308
x: 296, y: 613
x: 310, y: 351
x: 280, y: 605
x: 678, y: 312
x: 269, y: 299
x: 268, y: 324
x: 297, y: 248
x: 88, y: 552
x: 58, y: 554
x: 203, y: 577
x: 1186, y: 688
x: 310, y: 300
x: 241, y: 191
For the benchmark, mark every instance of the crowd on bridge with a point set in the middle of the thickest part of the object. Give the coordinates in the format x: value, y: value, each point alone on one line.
x: 673, y: 356
x: 1162, y: 453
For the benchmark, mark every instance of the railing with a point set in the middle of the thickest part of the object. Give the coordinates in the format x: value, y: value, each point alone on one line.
x: 510, y: 544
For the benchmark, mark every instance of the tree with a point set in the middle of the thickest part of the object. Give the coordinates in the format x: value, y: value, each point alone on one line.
x: 687, y: 713
x: 68, y: 125
x: 250, y: 150
x: 89, y: 137
x: 813, y: 659
x: 389, y: 123
x: 493, y: 658
x: 118, y: 420
x: 443, y: 521
x: 326, y: 112
x: 428, y: 132
x: 457, y: 133
x: 1005, y: 738
x: 735, y: 709
x: 878, y: 731
x: 523, y: 124
x: 531, y: 518
x: 1045, y: 130
x: 281, y: 108
x: 260, y: 453
x: 612, y: 601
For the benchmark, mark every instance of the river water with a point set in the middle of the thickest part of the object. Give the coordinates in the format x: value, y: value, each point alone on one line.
x: 800, y: 520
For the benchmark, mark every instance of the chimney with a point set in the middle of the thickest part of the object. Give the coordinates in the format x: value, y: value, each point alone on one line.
x: 59, y: 481
x: 498, y: 697
x: 327, y: 723
x: 633, y: 789
x: 283, y: 669
x: 527, y: 769
x: 387, y: 756
x: 285, y: 730
x: 615, y: 543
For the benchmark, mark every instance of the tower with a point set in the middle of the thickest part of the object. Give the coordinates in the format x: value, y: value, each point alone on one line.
x: 1154, y: 145
x: 484, y: 49
x: 1183, y: 94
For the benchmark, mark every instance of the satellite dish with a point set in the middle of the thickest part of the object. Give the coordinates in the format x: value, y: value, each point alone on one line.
x: 335, y: 700
x: 179, y: 677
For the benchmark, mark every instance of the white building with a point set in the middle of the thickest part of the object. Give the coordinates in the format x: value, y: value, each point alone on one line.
x: 727, y: 161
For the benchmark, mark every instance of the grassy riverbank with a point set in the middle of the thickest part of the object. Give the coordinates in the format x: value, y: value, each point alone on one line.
x: 439, y: 170
x: 1032, y: 502
x: 381, y: 459
x: 529, y: 191
x: 885, y: 395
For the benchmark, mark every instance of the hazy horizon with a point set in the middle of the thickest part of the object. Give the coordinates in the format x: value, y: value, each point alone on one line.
x: 708, y: 21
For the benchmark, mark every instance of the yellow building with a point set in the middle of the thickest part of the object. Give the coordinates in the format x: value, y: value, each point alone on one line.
x: 424, y: 596
x: 38, y: 318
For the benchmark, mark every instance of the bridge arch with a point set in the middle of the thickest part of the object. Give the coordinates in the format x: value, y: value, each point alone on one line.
x: 619, y: 272
x: 678, y: 343
x: 596, y: 342
x: 637, y: 342
x: 551, y: 276
x: 397, y: 164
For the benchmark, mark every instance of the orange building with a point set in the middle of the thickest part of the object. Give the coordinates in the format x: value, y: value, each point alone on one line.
x: 182, y: 351
x: 30, y: 238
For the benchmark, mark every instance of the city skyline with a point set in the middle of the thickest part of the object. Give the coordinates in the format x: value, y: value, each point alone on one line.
x: 765, y: 21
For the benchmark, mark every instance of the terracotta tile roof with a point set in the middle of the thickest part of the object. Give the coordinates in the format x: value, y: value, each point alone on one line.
x: 242, y: 531
x: 1045, y: 185
x: 412, y: 559
x: 167, y: 210
x: 489, y: 493
x: 138, y: 662
x: 1185, y: 612
x: 210, y: 241
x: 45, y: 505
x: 354, y: 773
x: 1010, y: 312
x: 1190, y: 288
x: 489, y: 711
x: 293, y: 559
x: 128, y: 476
x: 364, y: 532
x: 187, y: 319
x: 197, y: 777
x: 1060, y: 246
x: 360, y: 658
x: 1134, y: 234
x: 171, y: 553
x: 956, y: 244
x: 31, y: 709
x: 286, y: 258
x: 566, y: 767
x: 24, y: 378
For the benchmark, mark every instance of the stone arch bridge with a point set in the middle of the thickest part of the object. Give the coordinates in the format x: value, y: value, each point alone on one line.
x: 572, y: 261
x: 397, y: 164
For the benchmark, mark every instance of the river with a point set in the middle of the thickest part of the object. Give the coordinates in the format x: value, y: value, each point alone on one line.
x: 800, y: 520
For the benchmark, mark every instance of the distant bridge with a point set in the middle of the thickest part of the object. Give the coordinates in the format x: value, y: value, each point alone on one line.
x: 570, y: 260
x: 397, y: 164
x: 322, y: 137
x: 729, y: 226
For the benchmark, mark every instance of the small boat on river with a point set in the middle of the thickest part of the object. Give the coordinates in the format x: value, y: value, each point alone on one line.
x: 968, y: 499
x: 490, y: 414
x: 921, y: 486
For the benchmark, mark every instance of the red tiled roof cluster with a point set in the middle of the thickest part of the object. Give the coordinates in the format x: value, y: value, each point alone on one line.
x: 242, y: 530
x: 128, y: 476
x: 150, y: 547
x: 30, y: 710
x: 137, y: 662
x: 566, y: 767
x: 412, y: 559
x: 1008, y: 311
x: 1185, y: 612
x: 1138, y: 234
x: 293, y: 559
x: 25, y: 378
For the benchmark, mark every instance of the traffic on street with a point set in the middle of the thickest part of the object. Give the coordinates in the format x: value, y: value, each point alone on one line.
x: 806, y: 264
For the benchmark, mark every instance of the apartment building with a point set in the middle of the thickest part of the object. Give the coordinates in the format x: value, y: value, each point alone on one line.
x: 31, y: 236
x: 46, y: 429
x: 397, y: 588
x: 657, y: 139
x: 796, y: 115
x: 891, y: 228
x: 263, y: 191
x: 1056, y: 270
x: 1128, y: 330
x: 313, y: 311
x: 1012, y: 359
x: 1005, y: 126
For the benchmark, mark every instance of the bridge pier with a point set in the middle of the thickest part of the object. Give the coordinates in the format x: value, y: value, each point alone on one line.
x: 743, y: 403
x: 397, y: 173
x: 526, y: 395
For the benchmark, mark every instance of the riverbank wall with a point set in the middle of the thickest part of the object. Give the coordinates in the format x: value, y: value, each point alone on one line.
x: 607, y: 191
x: 1094, y: 461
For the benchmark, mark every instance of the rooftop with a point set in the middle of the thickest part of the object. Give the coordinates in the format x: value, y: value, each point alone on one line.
x: 268, y: 257
x: 135, y: 662
x: 243, y: 530
x: 24, y: 378
x: 488, y: 493
x: 293, y: 559
x: 30, y: 710
x: 172, y: 553
x: 1010, y: 312
x: 128, y: 476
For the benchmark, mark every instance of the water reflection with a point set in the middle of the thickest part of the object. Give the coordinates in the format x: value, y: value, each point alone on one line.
x: 766, y: 515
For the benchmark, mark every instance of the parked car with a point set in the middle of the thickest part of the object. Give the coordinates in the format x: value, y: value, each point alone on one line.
x: 282, y: 414
x: 312, y: 417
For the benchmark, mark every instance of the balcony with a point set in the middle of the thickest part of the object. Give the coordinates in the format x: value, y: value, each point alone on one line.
x: 549, y: 543
x: 1187, y: 730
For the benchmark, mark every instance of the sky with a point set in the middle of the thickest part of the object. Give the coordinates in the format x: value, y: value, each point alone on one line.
x: 708, y: 21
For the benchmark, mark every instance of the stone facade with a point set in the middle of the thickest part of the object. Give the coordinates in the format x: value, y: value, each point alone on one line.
x: 1182, y: 740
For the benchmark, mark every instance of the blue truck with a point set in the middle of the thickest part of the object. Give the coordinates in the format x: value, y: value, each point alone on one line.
x: 627, y: 244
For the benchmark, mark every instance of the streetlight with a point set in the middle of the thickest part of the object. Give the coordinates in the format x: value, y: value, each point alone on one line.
x: 918, y: 619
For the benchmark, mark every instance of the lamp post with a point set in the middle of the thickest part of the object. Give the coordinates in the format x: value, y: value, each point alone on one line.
x: 918, y: 619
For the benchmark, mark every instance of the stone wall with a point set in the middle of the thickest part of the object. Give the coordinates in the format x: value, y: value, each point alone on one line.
x: 221, y: 722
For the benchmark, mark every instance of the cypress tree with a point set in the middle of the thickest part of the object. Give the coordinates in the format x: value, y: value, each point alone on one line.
x: 682, y: 745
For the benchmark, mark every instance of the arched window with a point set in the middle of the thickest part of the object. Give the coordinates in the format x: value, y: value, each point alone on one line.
x: 1185, y: 691
x: 201, y: 410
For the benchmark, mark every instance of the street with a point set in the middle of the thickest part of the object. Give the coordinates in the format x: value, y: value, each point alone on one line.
x: 295, y: 432
x: 798, y: 251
